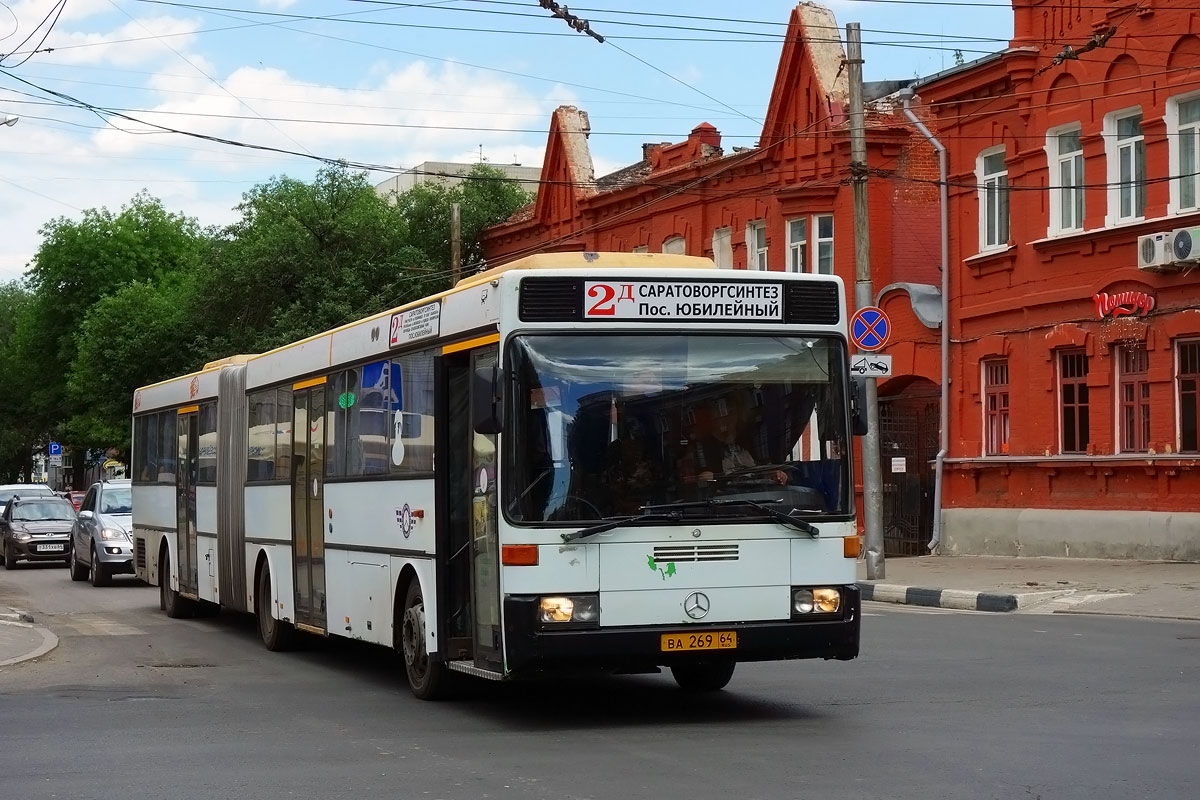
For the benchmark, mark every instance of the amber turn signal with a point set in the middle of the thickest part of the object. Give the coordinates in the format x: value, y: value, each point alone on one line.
x: 852, y: 546
x: 519, y: 555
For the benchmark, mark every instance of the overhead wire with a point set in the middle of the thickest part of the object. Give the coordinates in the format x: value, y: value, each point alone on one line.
x: 56, y: 12
x: 211, y: 79
x: 16, y: 23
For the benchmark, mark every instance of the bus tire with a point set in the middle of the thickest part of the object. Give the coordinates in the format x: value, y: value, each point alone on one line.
x: 168, y: 599
x: 704, y: 676
x: 426, y: 677
x: 276, y: 634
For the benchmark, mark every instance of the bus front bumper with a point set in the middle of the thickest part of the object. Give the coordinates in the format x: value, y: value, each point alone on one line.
x: 529, y: 649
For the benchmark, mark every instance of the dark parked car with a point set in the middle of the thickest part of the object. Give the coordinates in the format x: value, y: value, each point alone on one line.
x: 101, y: 545
x: 36, y: 528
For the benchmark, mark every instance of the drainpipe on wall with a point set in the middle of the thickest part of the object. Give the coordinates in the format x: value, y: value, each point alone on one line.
x: 906, y: 95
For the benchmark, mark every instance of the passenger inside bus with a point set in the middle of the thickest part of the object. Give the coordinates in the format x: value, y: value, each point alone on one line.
x: 716, y: 448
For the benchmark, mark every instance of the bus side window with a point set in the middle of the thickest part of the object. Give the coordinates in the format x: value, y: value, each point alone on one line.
x: 145, y: 451
x: 410, y: 413
x: 260, y: 446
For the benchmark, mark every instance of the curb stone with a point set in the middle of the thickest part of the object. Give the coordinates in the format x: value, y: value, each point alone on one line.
x: 49, y: 642
x: 952, y: 598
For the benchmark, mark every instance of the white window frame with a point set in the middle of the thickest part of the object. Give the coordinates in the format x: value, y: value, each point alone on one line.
x: 813, y: 244
x: 984, y: 181
x: 756, y: 255
x: 822, y: 243
x: 722, y: 244
x: 675, y: 244
x: 1175, y: 136
x: 797, y: 248
x: 1113, y: 152
x: 1056, y: 160
x: 642, y: 248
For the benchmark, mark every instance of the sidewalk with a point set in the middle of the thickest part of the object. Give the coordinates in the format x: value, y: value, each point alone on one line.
x: 1165, y: 589
x: 22, y: 640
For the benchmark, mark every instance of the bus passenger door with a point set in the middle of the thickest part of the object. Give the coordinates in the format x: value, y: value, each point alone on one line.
x: 308, y: 502
x: 186, y: 472
x: 473, y: 571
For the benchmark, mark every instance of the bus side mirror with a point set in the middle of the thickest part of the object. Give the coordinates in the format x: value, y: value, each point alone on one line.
x: 487, y: 406
x: 858, y: 407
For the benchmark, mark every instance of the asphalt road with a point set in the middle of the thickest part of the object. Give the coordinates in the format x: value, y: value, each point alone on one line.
x: 940, y: 705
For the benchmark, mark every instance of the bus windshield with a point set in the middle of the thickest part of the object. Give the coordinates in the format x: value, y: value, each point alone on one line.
x: 604, y: 425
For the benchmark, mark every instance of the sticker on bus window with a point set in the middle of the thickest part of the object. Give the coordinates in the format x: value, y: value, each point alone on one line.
x: 544, y: 397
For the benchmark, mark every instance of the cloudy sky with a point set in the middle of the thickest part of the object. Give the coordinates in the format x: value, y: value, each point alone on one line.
x: 385, y: 83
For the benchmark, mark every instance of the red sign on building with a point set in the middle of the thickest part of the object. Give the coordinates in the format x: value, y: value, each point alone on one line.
x: 1123, y: 304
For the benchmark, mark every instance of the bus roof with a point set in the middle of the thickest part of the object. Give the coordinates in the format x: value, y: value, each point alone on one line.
x: 570, y: 260
x: 591, y: 260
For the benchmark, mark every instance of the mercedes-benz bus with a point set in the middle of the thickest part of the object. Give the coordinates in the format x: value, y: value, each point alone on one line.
x: 613, y: 461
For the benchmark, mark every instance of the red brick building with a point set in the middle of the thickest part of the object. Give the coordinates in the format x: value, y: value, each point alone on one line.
x: 1075, y: 370
x: 1070, y: 434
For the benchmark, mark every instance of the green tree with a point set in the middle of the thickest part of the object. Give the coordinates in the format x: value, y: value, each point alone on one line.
x: 486, y: 197
x: 306, y: 257
x: 17, y: 433
x: 128, y: 339
x: 79, y: 263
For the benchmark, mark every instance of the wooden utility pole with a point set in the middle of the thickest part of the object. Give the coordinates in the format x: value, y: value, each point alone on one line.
x: 455, y: 244
x: 864, y: 295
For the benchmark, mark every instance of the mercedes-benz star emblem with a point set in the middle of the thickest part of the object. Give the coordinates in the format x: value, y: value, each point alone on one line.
x: 696, y: 605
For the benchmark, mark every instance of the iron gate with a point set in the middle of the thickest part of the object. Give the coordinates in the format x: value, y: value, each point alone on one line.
x: 908, y: 424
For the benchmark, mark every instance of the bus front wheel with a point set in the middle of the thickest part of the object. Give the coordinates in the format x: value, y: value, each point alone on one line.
x: 426, y: 677
x: 705, y: 676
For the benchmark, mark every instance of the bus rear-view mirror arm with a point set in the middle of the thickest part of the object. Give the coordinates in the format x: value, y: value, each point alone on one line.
x: 858, y: 407
x: 487, y: 400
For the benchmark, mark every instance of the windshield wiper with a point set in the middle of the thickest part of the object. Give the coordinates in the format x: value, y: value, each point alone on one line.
x: 775, y: 514
x: 616, y: 522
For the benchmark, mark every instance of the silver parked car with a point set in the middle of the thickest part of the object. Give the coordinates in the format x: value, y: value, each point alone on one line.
x: 101, y: 544
x: 24, y: 489
x: 36, y: 528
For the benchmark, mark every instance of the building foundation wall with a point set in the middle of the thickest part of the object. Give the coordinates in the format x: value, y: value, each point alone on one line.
x: 1141, y: 535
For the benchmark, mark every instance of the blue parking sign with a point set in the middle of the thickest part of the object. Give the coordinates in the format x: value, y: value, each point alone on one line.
x: 55, y: 449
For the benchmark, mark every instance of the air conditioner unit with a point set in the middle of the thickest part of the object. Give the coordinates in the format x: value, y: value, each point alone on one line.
x: 1185, y: 246
x: 1155, y: 253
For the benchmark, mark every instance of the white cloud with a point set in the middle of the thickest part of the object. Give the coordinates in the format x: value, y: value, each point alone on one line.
x: 412, y: 114
x: 130, y: 44
x: 89, y: 169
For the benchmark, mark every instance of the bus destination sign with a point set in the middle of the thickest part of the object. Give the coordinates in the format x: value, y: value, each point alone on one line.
x: 682, y: 300
x: 417, y: 323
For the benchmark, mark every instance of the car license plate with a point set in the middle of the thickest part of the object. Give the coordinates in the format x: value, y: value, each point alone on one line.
x: 703, y: 640
x: 51, y: 548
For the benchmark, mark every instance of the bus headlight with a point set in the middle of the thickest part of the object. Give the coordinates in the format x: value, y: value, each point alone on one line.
x: 822, y: 600
x: 826, y: 601
x: 579, y: 609
x: 802, y: 601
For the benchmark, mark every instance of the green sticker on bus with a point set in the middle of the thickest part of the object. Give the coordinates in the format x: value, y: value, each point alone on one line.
x: 669, y: 572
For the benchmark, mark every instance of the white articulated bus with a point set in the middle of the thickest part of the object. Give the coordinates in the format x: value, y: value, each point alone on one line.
x: 583, y: 460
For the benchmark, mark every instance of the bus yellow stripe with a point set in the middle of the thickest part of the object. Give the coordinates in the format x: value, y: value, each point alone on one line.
x: 470, y: 344
x: 188, y: 410
x: 310, y: 382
